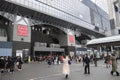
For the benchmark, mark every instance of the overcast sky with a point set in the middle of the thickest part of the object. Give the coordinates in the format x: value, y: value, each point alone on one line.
x: 102, y: 3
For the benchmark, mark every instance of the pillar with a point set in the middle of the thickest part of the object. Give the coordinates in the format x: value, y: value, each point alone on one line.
x: 112, y: 49
x: 21, y: 34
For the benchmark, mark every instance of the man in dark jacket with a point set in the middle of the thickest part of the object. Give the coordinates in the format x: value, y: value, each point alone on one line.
x: 2, y: 64
x: 19, y: 63
x: 11, y: 64
x: 87, y: 64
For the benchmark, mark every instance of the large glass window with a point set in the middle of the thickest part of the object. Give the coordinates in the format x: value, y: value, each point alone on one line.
x: 97, y: 19
x: 70, y: 10
x: 106, y: 24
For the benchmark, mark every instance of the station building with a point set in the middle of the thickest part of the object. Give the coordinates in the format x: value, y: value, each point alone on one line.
x: 111, y: 43
x: 35, y: 27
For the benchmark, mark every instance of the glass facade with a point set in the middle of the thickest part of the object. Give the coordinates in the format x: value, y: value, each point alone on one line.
x: 72, y: 11
x: 99, y: 17
x: 5, y: 48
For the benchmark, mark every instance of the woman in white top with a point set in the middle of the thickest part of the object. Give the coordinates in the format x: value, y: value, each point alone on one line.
x: 66, y: 67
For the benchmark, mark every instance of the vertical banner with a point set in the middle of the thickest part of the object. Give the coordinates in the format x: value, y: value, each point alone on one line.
x: 71, y: 39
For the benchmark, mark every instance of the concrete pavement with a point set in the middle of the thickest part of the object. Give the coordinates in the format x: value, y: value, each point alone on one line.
x: 40, y: 71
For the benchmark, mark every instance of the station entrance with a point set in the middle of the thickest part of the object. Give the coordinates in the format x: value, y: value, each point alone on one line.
x: 46, y: 39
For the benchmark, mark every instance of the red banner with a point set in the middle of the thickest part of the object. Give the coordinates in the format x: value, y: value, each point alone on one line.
x: 71, y: 38
x: 22, y: 30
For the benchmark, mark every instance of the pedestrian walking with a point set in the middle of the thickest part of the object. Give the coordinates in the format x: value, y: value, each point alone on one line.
x: 95, y: 60
x: 83, y: 60
x: 2, y: 64
x: 66, y: 67
x: 114, y: 65
x: 49, y: 61
x: 87, y: 65
x: 11, y: 64
x: 107, y: 61
x: 19, y: 63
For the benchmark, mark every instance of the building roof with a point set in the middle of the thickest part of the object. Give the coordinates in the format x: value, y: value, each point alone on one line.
x: 104, y: 40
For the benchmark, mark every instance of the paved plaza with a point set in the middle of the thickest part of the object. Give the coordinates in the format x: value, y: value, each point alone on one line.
x: 40, y: 71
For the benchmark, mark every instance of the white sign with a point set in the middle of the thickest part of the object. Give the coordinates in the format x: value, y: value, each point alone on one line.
x: 19, y: 53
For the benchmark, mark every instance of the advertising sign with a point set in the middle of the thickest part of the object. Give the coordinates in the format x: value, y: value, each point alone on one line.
x: 22, y: 30
x: 19, y: 53
x: 71, y: 38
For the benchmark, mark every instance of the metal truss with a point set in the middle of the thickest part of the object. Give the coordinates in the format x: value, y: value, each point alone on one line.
x: 36, y: 22
x: 8, y: 16
x: 10, y: 11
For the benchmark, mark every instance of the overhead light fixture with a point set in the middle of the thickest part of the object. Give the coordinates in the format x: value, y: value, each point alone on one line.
x: 6, y: 23
x: 33, y: 28
x: 80, y: 15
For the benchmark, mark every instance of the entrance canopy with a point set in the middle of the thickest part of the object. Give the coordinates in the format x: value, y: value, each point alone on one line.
x: 48, y: 49
x: 104, y: 40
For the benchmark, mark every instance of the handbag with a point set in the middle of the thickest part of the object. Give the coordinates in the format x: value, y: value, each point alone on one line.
x: 69, y: 62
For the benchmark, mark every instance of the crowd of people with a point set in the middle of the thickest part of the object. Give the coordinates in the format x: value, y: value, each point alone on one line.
x: 50, y: 59
x: 110, y: 59
x: 11, y: 63
x: 8, y: 63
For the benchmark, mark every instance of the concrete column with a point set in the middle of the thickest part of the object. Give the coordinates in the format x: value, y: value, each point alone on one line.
x: 21, y: 34
x: 112, y: 49
x: 22, y: 29
x: 100, y: 49
x: 34, y: 53
x: 105, y: 48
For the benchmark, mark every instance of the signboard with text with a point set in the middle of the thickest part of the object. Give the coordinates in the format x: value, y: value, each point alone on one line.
x: 22, y: 30
x: 71, y: 38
